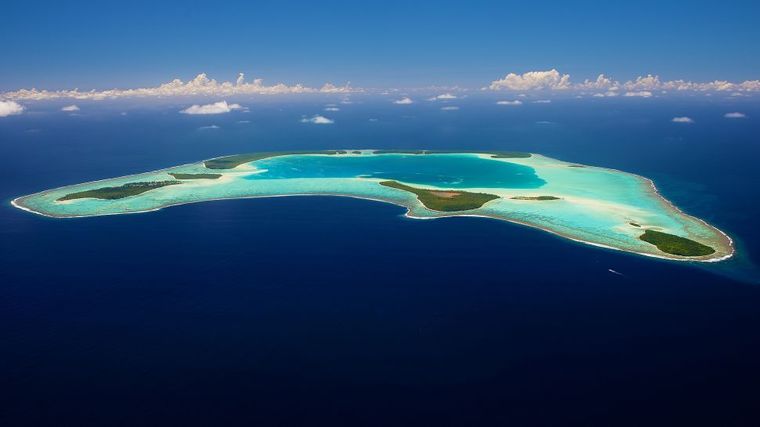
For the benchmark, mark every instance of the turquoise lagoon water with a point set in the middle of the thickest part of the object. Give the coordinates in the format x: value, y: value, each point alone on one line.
x: 442, y: 170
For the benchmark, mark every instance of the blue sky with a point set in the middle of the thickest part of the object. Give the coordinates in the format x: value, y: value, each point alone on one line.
x: 372, y: 43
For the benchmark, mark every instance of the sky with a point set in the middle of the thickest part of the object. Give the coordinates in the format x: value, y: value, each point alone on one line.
x: 402, y: 44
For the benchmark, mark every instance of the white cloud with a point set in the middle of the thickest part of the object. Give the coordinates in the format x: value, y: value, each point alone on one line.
x: 201, y: 85
x: 609, y: 93
x: 450, y: 108
x: 602, y: 82
x: 554, y: 80
x: 331, y: 88
x: 750, y: 85
x: 533, y: 80
x: 640, y: 94
x: 332, y: 109
x: 682, y: 120
x: 443, y: 97
x: 10, y: 108
x: 515, y: 102
x: 735, y: 115
x: 542, y: 101
x: 318, y: 120
x: 70, y: 108
x: 647, y: 83
x: 404, y: 101
x: 208, y: 127
x: 215, y: 108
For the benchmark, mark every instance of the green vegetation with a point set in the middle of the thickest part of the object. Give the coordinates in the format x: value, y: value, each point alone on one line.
x: 356, y: 152
x: 576, y: 166
x: 675, y: 245
x: 634, y: 224
x: 510, y: 155
x: 112, y: 193
x: 445, y: 201
x: 230, y: 162
x: 534, y: 198
x: 196, y: 175
x: 494, y: 154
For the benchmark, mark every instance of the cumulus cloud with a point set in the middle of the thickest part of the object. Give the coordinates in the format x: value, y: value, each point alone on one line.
x: 318, y: 120
x: 610, y: 93
x: 683, y: 119
x: 450, y: 108
x: 735, y: 115
x: 220, y: 107
x: 606, y: 86
x: 404, y: 101
x: 70, y: 108
x: 533, y: 80
x: 201, y: 85
x: 602, y: 82
x: 208, y: 127
x: 332, y: 109
x: 639, y: 94
x: 10, y: 108
x: 515, y: 102
x: 443, y: 97
x: 542, y: 101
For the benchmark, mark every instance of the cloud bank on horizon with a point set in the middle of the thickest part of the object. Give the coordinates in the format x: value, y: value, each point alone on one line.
x: 551, y: 80
x: 201, y: 85
x: 605, y: 86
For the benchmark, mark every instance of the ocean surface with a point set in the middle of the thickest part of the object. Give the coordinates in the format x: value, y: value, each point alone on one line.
x: 335, y: 311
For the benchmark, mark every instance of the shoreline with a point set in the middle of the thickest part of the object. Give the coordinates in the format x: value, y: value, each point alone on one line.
x: 652, y: 189
x: 407, y: 214
x: 655, y: 192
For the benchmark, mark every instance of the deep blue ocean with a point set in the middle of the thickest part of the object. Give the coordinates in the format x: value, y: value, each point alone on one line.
x: 335, y: 311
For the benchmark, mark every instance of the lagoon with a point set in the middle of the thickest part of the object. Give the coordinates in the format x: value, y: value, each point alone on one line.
x: 594, y: 205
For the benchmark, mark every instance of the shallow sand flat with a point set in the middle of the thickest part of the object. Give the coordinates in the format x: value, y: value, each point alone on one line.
x: 596, y: 205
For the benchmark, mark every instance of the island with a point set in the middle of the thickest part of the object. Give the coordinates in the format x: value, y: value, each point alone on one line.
x: 538, y: 198
x: 594, y: 205
x: 445, y: 201
x: 675, y: 245
x: 120, y: 192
